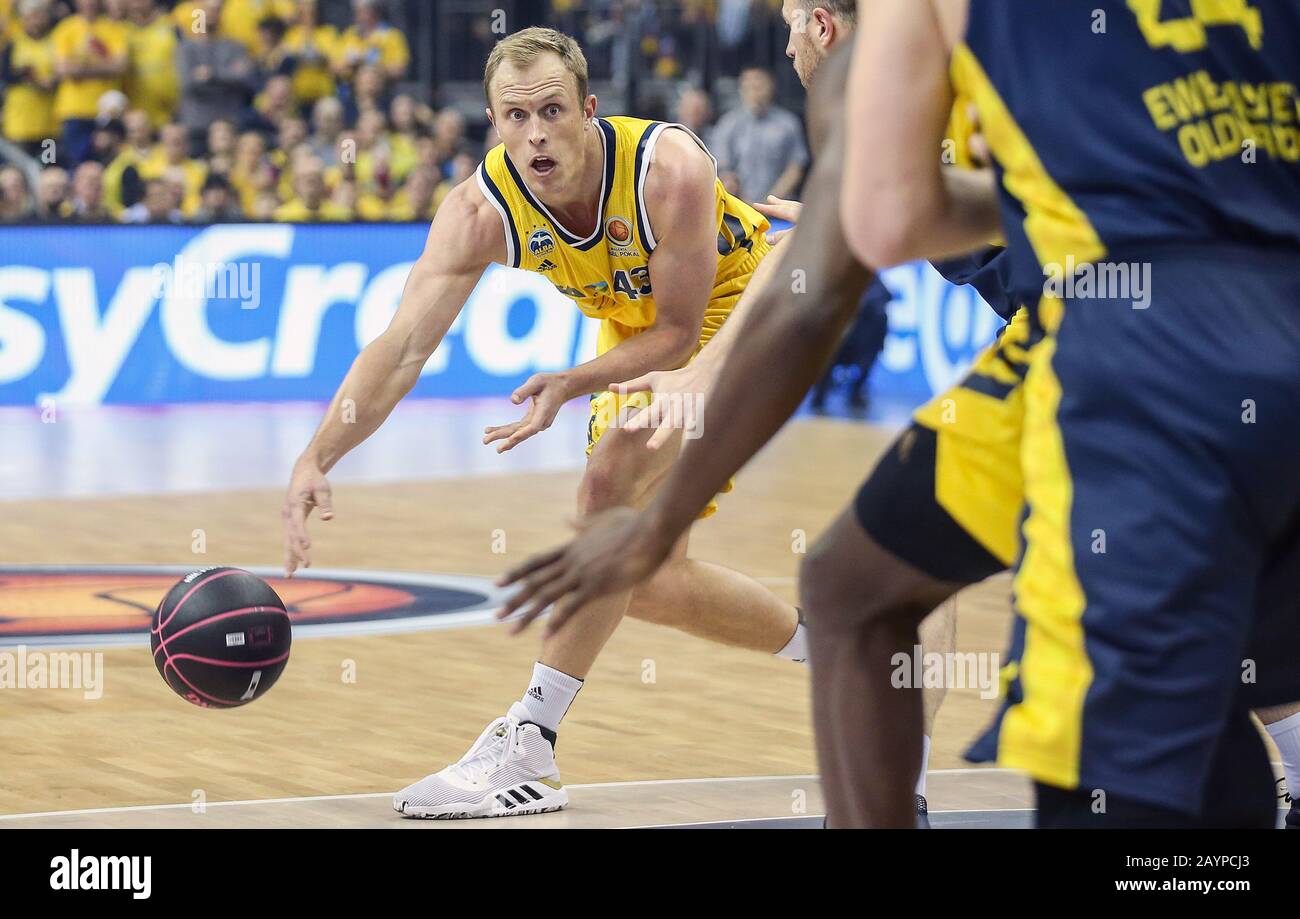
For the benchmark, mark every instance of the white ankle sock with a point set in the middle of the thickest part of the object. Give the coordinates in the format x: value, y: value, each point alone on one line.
x: 549, y: 695
x: 796, y: 649
x: 1286, y: 734
x: 925, y: 762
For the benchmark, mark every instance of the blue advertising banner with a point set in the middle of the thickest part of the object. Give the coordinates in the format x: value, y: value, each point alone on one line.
x: 159, y: 314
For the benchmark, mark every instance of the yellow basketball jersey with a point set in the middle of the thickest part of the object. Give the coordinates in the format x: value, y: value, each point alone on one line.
x: 607, y: 272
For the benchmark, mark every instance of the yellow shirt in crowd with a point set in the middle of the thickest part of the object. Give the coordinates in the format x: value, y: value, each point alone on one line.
x: 151, y: 81
x: 113, y: 174
x: 384, y: 45
x: 373, y: 207
x: 195, y: 172
x: 312, y: 81
x: 10, y: 26
x: 245, y: 188
x: 29, y: 111
x: 78, y: 40
x: 239, y: 19
x: 296, y: 211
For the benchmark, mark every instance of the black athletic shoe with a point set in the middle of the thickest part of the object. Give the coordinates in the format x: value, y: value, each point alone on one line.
x: 922, y: 813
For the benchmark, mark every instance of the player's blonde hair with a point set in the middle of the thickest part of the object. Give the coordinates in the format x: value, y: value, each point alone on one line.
x: 524, y: 47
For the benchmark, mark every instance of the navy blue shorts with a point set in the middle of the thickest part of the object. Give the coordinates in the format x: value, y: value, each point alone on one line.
x: 1158, y: 591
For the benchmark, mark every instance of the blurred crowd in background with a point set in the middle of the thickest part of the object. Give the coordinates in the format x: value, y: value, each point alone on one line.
x: 158, y: 111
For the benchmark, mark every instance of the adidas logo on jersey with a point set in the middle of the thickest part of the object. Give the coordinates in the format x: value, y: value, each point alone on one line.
x: 536, y: 693
x: 547, y: 265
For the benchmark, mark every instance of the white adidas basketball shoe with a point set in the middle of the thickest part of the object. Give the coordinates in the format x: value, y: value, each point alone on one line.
x: 509, y: 770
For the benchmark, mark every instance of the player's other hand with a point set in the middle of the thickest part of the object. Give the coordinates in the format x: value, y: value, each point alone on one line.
x: 614, y: 550
x: 678, y: 404
x: 308, y: 488
x: 548, y: 391
x: 778, y: 209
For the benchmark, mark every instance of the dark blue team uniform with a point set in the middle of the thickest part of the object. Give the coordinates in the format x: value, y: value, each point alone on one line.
x: 1156, y: 165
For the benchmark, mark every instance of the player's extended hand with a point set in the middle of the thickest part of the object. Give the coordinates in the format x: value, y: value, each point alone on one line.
x: 778, y: 209
x: 678, y: 404
x: 308, y: 488
x: 614, y: 550
x: 548, y: 392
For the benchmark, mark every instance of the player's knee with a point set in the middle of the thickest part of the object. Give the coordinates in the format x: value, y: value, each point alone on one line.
x: 610, y: 479
x: 847, y: 581
x: 596, y: 491
x: 602, y: 487
x: 827, y: 588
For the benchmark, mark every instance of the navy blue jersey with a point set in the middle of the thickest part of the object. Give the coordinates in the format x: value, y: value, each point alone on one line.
x: 1136, y: 123
x: 989, y: 272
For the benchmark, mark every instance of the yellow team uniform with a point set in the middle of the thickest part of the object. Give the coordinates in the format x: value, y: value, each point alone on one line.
x: 151, y: 82
x: 78, y: 39
x: 607, y: 273
x: 29, y: 110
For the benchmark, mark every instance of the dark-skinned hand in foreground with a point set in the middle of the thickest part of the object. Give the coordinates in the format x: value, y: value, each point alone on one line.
x: 796, y: 332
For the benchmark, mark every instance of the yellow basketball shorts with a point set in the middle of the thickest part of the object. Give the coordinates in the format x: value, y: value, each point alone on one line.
x: 609, y: 409
x: 947, y: 496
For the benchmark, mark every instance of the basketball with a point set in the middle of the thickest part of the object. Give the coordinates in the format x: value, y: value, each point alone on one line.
x: 220, y: 638
x: 416, y: 309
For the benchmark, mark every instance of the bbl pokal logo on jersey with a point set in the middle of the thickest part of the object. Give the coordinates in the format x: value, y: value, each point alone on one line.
x: 541, y: 243
x: 618, y: 230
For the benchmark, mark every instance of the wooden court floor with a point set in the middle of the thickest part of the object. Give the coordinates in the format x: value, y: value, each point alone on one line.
x: 420, y: 699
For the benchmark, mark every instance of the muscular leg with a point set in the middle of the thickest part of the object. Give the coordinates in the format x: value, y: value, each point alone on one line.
x: 863, y: 606
x: 706, y: 600
x: 716, y: 604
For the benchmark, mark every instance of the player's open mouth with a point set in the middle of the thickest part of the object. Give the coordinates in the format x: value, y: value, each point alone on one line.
x: 542, y: 165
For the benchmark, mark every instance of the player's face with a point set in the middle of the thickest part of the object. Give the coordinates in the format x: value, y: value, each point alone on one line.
x: 801, y: 49
x: 542, y: 122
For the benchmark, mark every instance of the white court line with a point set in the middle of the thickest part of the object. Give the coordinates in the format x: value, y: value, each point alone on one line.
x: 706, y: 823
x: 387, y: 794
x: 378, y: 794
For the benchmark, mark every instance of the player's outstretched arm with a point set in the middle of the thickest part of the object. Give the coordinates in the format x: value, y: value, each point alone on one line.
x: 899, y: 203
x: 789, y: 340
x: 680, y: 394
x: 681, y: 196
x: 465, y: 237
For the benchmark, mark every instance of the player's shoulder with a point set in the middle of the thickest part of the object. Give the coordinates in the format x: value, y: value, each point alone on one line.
x: 468, y: 205
x: 679, y: 166
x: 680, y: 183
x: 471, y: 220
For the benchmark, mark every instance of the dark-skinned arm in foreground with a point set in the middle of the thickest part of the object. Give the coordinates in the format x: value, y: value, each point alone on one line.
x: 797, y: 332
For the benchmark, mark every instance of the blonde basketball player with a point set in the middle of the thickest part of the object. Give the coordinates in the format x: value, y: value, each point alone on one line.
x: 628, y: 218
